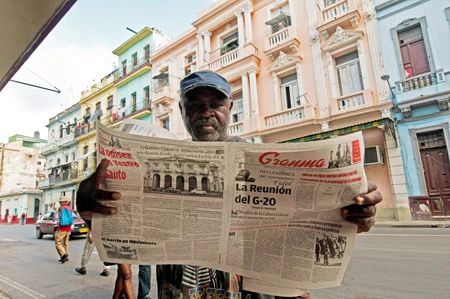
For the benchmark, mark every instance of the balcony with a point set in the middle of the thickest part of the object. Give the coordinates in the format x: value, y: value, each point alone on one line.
x: 334, y: 10
x: 284, y: 40
x: 126, y: 74
x: 233, y: 56
x: 67, y: 140
x: 43, y: 184
x: 135, y: 110
x: 342, y: 13
x: 163, y: 96
x: 49, y: 148
x: 236, y: 128
x: 285, y: 117
x: 354, y: 101
x: 420, y: 82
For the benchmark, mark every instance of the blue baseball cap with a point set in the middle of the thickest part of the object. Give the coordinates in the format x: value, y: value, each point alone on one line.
x: 205, y: 78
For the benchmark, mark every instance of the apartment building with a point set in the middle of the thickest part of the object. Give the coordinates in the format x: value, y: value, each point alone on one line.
x: 60, y: 154
x: 415, y: 40
x: 21, y: 168
x: 299, y: 70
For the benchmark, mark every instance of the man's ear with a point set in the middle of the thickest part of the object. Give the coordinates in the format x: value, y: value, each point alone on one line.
x: 181, y: 108
x: 231, y: 105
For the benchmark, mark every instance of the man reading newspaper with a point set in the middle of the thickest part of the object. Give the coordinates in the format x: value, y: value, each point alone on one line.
x: 205, y: 106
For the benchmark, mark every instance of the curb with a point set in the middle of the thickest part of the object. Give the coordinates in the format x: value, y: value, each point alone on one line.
x: 413, y: 224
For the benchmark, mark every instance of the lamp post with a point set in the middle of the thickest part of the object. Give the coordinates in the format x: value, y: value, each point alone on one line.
x: 386, y: 78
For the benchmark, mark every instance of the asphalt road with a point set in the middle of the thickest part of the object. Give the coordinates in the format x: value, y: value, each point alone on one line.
x: 386, y: 263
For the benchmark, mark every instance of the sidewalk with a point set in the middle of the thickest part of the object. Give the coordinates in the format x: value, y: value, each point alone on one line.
x: 415, y: 223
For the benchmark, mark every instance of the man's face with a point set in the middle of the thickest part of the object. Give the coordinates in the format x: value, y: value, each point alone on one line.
x: 206, y: 113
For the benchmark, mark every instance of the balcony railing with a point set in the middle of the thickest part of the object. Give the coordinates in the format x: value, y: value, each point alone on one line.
x: 162, y: 96
x: 233, y: 56
x: 128, y: 110
x: 123, y: 72
x: 285, y: 117
x: 351, y: 101
x: 420, y: 81
x: 335, y: 10
x: 236, y: 128
x: 48, y: 148
x: 279, y: 37
x: 66, y: 140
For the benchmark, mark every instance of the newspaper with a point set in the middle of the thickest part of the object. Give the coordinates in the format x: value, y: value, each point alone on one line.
x: 268, y: 212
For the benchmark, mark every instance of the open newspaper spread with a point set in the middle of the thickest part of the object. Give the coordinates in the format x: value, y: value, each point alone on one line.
x: 269, y: 212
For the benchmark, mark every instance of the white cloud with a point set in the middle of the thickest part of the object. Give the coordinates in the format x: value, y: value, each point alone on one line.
x: 71, y: 69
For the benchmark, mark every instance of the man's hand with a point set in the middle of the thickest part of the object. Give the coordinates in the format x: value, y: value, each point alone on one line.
x: 363, y: 212
x: 89, y: 195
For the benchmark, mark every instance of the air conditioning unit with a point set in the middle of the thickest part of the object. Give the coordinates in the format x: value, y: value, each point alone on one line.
x: 373, y: 155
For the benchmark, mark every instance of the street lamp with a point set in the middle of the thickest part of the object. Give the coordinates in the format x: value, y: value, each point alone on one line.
x: 386, y: 78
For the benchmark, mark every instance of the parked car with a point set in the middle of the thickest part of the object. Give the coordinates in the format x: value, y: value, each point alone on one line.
x: 199, y: 192
x: 48, y: 225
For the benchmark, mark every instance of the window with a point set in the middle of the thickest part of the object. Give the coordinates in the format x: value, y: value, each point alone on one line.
x: 237, y: 113
x: 161, y: 80
x: 68, y: 128
x: 124, y: 68
x: 229, y: 43
x: 133, y: 102
x: 289, y: 91
x: 67, y: 159
x: 147, y: 95
x: 88, y: 112
x: 110, y: 106
x: 165, y: 123
x: 349, y: 73
x: 191, y: 58
x: 327, y: 3
x: 98, y: 105
x: 121, y: 111
x: 147, y: 52
x: 85, y: 161
x: 135, y: 60
x: 281, y: 19
x: 413, y: 51
x: 61, y: 131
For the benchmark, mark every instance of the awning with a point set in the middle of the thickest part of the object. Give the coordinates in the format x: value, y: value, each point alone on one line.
x: 161, y: 76
x: 86, y: 155
x: 25, y: 24
x: 97, y: 113
x: 280, y: 18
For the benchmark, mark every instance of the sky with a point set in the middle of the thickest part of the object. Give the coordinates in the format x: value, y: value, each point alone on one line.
x: 78, y: 53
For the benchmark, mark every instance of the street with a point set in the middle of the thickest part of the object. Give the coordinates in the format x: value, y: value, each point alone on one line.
x: 386, y: 263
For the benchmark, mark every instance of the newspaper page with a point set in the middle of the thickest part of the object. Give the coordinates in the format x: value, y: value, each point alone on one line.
x: 269, y: 212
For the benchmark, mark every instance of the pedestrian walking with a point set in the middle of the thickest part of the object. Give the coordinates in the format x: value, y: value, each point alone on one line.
x: 22, y: 218
x: 63, y: 232
x: 87, y: 252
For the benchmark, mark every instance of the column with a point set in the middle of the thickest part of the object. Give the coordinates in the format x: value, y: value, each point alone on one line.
x: 240, y: 22
x: 276, y: 92
x: 245, y: 96
x: 207, y: 35
x: 200, y: 49
x: 319, y: 75
x: 253, y: 94
x: 334, y: 85
x: 300, y: 83
x: 362, y: 62
x: 248, y: 26
x: 375, y: 50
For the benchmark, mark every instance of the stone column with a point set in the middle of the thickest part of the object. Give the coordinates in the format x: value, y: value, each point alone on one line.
x: 300, y: 83
x: 200, y: 49
x: 319, y: 75
x: 207, y: 35
x: 276, y: 92
x: 245, y: 96
x: 375, y: 50
x: 248, y: 25
x: 240, y: 22
x: 362, y: 63
x: 253, y: 94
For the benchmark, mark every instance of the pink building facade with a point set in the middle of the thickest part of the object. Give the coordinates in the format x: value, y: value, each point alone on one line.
x: 299, y: 70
